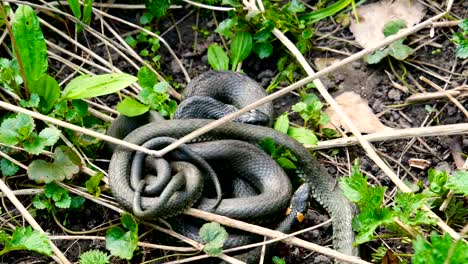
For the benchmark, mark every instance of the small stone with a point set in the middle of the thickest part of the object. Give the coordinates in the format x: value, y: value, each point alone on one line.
x: 356, y: 64
x: 175, y: 68
x: 321, y: 259
x: 443, y: 166
x: 265, y: 74
x: 394, y: 94
x: 204, y: 59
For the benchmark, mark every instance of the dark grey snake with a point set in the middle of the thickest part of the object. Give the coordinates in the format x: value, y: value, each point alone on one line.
x: 230, y: 149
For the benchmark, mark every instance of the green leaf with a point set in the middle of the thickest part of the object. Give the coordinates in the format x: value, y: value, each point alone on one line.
x: 441, y: 249
x: 8, y: 168
x: 459, y: 182
x: 157, y: 7
x: 241, y: 45
x: 268, y: 145
x: 437, y: 180
x: 326, y: 12
x: 87, y: 86
x: 368, y: 221
x: 161, y: 87
x: 94, y: 257
x: 146, y: 78
x: 87, y: 11
x: 303, y: 135
x: 146, y: 18
x: 123, y: 243
x: 49, y: 136
x: 30, y: 41
x: 33, y: 101
x: 217, y: 58
x: 398, y: 50
x: 214, y: 235
x: 462, y: 50
x: 131, y: 107
x: 263, y: 50
x: 92, y: 185
x: 392, y: 27
x: 24, y: 238
x: 286, y: 163
x: 225, y: 27
x: 282, y: 123
x: 16, y: 129
x: 464, y: 25
x: 65, y: 165
x: 376, y: 57
x: 295, y: 6
x: 76, y: 202
x: 41, y: 202
x: 75, y: 8
x: 277, y: 260
x: 408, y: 209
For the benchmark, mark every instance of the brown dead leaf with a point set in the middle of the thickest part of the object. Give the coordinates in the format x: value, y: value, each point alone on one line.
x: 373, y: 17
x: 390, y: 258
x: 419, y: 163
x: 358, y: 111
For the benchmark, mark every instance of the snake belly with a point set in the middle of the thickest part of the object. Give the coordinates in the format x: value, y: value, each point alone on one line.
x: 228, y: 87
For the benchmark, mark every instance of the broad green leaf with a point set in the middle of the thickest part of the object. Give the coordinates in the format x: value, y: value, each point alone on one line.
x: 376, y: 57
x: 87, y: 86
x: 368, y: 221
x: 268, y: 145
x: 49, y: 136
x: 76, y: 202
x: 437, y: 180
x: 146, y: 18
x: 94, y: 257
x: 33, y: 101
x: 282, y: 123
x: 30, y: 41
x: 303, y: 135
x: 241, y: 45
x: 398, y: 50
x: 217, y: 58
x: 459, y: 182
x: 392, y: 27
x: 161, y: 87
x: 8, y: 168
x: 157, y: 7
x: 295, y: 6
x: 24, y: 238
x: 75, y: 8
x: 146, y: 78
x: 263, y: 50
x: 214, y: 235
x: 65, y: 165
x: 120, y: 243
x: 131, y: 107
x: 441, y: 249
x: 129, y: 222
x: 286, y: 163
x: 277, y: 260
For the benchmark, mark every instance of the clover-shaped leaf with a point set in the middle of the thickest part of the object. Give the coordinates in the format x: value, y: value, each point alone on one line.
x: 215, y: 235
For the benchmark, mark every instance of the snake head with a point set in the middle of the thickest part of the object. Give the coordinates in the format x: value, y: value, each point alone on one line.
x: 299, y: 202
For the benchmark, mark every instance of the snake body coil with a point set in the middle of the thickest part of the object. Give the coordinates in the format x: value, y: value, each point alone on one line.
x: 226, y: 145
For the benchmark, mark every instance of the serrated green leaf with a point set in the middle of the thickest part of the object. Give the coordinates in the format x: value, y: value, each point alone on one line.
x: 48, y: 90
x: 368, y: 221
x: 34, y: 144
x: 15, y: 129
x: 87, y: 86
x: 131, y: 107
x: 41, y: 202
x: 217, y: 58
x: 146, y: 78
x: 263, y: 50
x: 459, y: 182
x: 464, y: 25
x: 65, y: 165
x: 33, y: 101
x: 64, y: 201
x: 462, y: 50
x: 157, y: 7
x: 30, y: 41
x: 241, y: 45
x: 392, y: 27
x: 214, y: 235
x: 437, y: 180
x: 282, y: 123
x: 408, y: 209
x: 303, y: 135
x: 161, y: 87
x: 376, y: 57
x: 7, y: 167
x: 24, y: 238
x: 441, y: 249
x: 94, y: 257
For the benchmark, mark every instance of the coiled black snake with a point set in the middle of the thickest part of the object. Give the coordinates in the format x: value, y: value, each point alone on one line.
x: 230, y: 149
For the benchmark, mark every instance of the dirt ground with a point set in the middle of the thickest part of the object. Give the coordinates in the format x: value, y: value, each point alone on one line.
x: 371, y: 82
